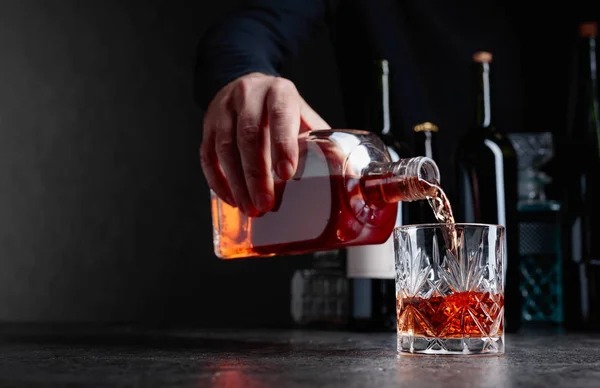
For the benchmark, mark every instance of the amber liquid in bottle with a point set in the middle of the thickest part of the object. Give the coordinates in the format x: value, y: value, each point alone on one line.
x: 327, y: 212
x: 359, y: 210
x: 344, y: 193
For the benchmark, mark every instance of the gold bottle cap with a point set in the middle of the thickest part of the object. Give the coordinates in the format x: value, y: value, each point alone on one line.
x: 426, y: 127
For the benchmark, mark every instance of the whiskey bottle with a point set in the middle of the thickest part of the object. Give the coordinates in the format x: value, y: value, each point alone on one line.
x: 344, y: 193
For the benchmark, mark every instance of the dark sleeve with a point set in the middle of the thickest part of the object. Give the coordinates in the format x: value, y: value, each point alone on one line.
x: 257, y: 38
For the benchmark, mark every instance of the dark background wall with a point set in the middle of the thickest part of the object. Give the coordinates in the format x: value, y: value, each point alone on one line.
x: 104, y: 213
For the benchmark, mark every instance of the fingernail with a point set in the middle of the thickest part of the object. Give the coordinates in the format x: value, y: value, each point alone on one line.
x: 248, y: 209
x: 230, y: 201
x: 263, y: 202
x: 284, y: 169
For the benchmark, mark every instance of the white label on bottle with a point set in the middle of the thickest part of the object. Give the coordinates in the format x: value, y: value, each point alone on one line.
x: 374, y: 261
x: 305, y: 210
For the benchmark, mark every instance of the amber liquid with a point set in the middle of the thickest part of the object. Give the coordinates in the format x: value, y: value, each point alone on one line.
x: 463, y: 314
x: 324, y: 213
x: 310, y: 214
x: 442, y: 210
x: 438, y: 200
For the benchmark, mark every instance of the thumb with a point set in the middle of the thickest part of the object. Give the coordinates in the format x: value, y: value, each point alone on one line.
x: 309, y: 119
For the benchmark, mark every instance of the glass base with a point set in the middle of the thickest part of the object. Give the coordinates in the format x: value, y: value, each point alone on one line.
x: 450, y: 346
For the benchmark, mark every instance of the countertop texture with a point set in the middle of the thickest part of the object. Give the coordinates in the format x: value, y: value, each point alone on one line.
x: 127, y: 357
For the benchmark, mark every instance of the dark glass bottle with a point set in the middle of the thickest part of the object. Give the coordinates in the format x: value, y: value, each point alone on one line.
x: 370, y: 268
x: 487, y: 186
x: 581, y: 183
x: 424, y: 144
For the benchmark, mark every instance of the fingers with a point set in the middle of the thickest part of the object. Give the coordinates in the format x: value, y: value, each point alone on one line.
x: 252, y: 143
x: 229, y: 159
x: 210, y: 162
x: 283, y: 109
x: 251, y: 128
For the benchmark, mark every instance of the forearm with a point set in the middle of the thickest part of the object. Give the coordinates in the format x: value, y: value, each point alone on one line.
x: 258, y: 38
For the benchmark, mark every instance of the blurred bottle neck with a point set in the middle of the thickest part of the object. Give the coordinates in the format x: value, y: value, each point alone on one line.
x: 483, y: 107
x: 425, y: 144
x: 587, y: 93
x: 379, y: 119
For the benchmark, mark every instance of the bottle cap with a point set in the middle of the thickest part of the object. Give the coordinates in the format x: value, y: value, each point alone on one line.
x: 426, y: 127
x: 588, y: 29
x: 482, y: 57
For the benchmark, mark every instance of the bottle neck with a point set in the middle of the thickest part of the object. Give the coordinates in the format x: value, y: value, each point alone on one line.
x: 424, y: 140
x: 483, y: 112
x: 406, y: 180
x: 589, y: 92
x: 380, y: 112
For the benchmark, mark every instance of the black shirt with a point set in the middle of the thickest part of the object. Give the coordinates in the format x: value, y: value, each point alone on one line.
x: 428, y: 43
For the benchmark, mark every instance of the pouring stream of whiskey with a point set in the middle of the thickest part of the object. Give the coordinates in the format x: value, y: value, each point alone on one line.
x: 443, y: 213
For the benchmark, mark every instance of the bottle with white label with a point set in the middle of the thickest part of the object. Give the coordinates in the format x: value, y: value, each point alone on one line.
x: 371, y: 268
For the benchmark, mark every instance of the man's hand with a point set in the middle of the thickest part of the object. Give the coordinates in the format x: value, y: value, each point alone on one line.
x: 250, y: 127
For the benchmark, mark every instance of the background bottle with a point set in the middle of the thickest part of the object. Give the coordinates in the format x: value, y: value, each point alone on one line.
x: 487, y: 190
x: 371, y: 268
x: 580, y: 154
x: 424, y: 144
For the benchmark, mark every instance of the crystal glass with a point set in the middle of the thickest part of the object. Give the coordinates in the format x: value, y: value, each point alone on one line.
x: 450, y: 288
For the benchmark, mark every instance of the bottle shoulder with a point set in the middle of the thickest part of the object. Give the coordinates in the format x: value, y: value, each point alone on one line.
x: 478, y: 140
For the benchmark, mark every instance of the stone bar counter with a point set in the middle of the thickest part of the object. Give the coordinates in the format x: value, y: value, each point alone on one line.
x: 122, y: 356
